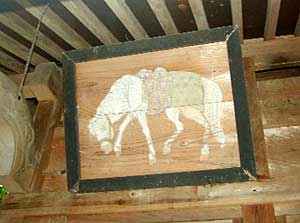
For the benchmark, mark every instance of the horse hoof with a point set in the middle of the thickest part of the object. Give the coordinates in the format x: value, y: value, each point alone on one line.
x: 203, y: 157
x: 166, y: 149
x: 106, y: 147
x: 221, y: 138
x: 118, y: 153
x: 152, y: 161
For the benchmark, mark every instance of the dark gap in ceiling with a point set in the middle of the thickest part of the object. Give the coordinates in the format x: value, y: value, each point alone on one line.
x: 108, y: 18
x: 182, y: 15
x: 26, y: 42
x: 254, y: 16
x: 43, y: 28
x: 143, y: 12
x: 73, y: 22
x: 218, y: 12
x: 288, y: 17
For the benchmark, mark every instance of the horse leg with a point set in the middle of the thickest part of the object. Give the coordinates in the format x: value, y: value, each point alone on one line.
x: 214, y: 116
x: 173, y: 115
x: 117, y: 146
x: 141, y: 116
x: 197, y: 116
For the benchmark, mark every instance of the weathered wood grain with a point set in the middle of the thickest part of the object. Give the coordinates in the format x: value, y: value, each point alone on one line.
x: 199, y: 14
x: 56, y: 24
x: 20, y: 26
x: 163, y: 15
x: 11, y: 63
x: 88, y: 18
x: 271, y: 19
x: 256, y: 120
x: 261, y: 213
x: 123, y: 12
x: 280, y: 101
x: 199, y: 203
x: 278, y: 53
x: 237, y: 15
x: 94, y: 80
x: 19, y: 50
x: 293, y: 219
x: 281, y: 219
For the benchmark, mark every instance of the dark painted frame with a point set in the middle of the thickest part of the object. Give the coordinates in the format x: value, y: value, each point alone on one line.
x: 245, y: 172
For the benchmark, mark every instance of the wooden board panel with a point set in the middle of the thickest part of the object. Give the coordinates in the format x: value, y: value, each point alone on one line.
x: 94, y: 80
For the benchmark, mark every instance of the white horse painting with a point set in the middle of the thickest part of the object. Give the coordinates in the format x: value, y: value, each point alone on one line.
x: 152, y: 92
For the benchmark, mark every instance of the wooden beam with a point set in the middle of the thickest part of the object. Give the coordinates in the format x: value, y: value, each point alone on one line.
x: 272, y: 19
x: 261, y: 213
x: 283, y: 51
x: 297, y: 28
x: 19, y: 50
x: 123, y: 12
x: 56, y: 24
x: 256, y: 121
x: 79, y: 9
x: 163, y: 15
x: 10, y: 62
x: 26, y: 30
x: 237, y: 15
x: 48, y: 219
x: 6, y: 71
x: 199, y: 14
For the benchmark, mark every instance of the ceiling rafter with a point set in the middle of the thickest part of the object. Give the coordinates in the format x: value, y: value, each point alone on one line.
x: 56, y: 24
x: 87, y: 17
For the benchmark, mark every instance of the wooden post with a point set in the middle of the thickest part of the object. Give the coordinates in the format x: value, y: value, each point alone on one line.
x: 44, y: 84
x: 260, y: 213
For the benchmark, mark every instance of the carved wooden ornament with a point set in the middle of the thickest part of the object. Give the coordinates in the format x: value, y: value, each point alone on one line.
x: 17, y: 133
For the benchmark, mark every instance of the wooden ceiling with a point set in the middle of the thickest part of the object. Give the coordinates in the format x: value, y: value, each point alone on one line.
x: 73, y: 24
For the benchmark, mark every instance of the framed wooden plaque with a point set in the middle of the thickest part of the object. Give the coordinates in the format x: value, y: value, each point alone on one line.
x: 162, y: 112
